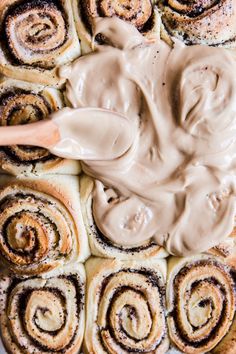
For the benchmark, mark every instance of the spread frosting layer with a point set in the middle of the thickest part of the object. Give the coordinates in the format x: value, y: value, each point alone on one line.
x: 177, y: 181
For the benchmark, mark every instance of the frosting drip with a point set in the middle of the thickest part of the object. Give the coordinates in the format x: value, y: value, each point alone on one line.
x: 177, y: 181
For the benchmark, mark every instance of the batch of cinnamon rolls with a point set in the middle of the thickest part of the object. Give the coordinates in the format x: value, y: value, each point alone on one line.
x: 54, y: 297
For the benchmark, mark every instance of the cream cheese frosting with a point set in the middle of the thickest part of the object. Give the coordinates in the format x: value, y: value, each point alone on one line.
x: 176, y: 183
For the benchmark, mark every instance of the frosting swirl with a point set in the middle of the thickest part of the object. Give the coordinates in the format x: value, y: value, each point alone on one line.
x: 101, y: 245
x: 181, y: 166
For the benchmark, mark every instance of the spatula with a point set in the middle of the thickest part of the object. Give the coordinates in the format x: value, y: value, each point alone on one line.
x: 81, y: 134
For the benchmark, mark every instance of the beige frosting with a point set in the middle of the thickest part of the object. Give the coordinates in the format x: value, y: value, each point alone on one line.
x: 177, y: 181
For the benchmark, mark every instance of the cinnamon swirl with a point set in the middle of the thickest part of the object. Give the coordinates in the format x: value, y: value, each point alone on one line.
x: 142, y: 14
x: 101, y: 245
x: 199, y: 22
x: 200, y: 302
x: 21, y: 103
x: 43, y: 314
x: 41, y: 226
x: 38, y: 37
x: 125, y: 307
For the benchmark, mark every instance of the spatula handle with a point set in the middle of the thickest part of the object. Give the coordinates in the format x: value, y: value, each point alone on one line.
x: 43, y: 134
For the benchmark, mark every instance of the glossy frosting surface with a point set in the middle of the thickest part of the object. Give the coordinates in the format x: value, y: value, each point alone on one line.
x: 177, y: 181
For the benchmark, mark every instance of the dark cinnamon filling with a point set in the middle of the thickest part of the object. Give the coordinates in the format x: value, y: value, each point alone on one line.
x: 19, y: 195
x: 104, y: 241
x: 79, y: 288
x: 15, y: 157
x: 195, y: 9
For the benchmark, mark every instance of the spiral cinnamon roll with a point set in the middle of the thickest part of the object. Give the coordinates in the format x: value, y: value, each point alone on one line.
x: 41, y: 226
x: 141, y: 14
x: 101, y: 245
x: 22, y: 103
x: 43, y: 314
x: 125, y: 307
x: 38, y: 37
x: 200, y: 302
x: 199, y: 22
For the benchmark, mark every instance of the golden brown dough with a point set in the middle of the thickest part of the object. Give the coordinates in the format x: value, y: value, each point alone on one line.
x: 37, y: 37
x: 200, y: 302
x: 199, y: 22
x: 227, y: 248
x: 141, y: 13
x: 125, y: 307
x: 22, y: 102
x: 228, y: 343
x: 41, y: 226
x: 43, y: 314
x: 100, y: 245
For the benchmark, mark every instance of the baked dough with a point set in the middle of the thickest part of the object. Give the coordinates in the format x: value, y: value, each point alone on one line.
x: 43, y: 314
x: 41, y: 225
x: 226, y: 249
x: 22, y: 102
x: 199, y: 22
x: 200, y: 302
x: 37, y: 38
x: 125, y: 307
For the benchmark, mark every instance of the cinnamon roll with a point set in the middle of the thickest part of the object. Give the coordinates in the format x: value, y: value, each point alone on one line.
x: 37, y: 38
x: 102, y: 246
x: 199, y: 22
x: 41, y: 226
x: 125, y: 307
x: 21, y: 103
x: 141, y: 14
x: 43, y: 314
x: 200, y: 302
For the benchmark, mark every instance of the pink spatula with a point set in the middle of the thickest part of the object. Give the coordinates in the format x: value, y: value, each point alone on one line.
x: 81, y: 134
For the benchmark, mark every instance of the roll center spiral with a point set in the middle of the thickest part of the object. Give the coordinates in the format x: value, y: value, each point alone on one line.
x: 33, y: 30
x: 47, y: 317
